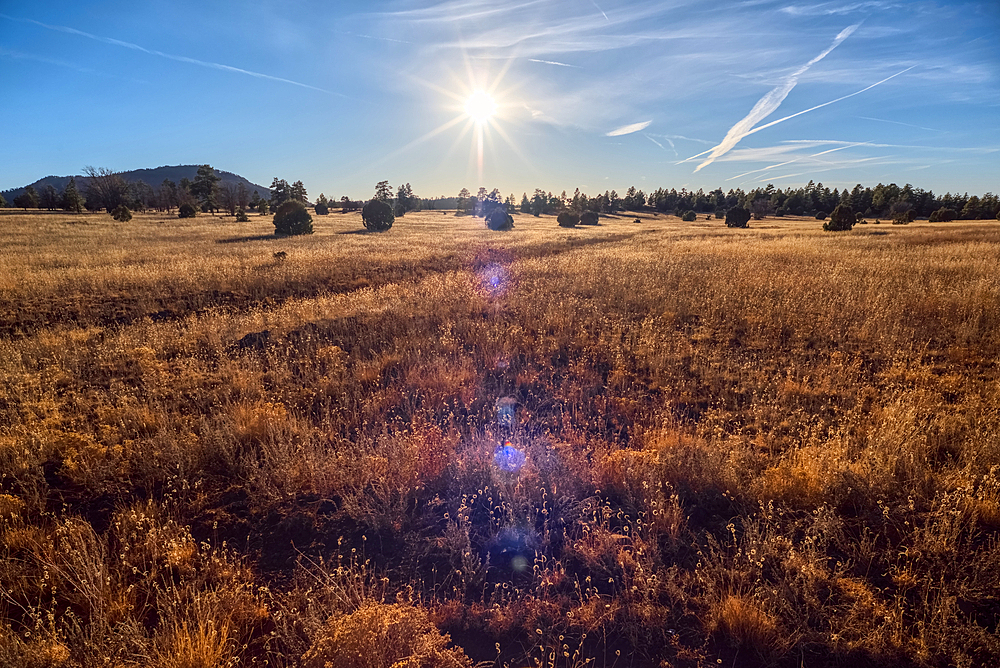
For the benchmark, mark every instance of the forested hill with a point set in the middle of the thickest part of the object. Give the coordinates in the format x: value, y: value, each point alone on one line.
x: 153, y: 177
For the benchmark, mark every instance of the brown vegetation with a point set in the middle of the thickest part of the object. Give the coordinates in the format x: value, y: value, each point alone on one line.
x: 763, y: 446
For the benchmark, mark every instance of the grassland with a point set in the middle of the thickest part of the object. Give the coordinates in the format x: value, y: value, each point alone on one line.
x: 772, y: 446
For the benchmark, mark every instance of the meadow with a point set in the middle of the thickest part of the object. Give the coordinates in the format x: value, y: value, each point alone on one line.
x: 652, y: 443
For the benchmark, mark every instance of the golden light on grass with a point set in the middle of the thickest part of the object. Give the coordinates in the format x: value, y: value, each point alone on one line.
x: 759, y: 441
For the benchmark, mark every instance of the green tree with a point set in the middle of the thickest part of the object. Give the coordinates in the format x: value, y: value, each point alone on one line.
x: 525, y: 203
x: 71, y: 199
x: 28, y: 199
x: 298, y: 192
x: 292, y: 218
x: 405, y: 200
x: 281, y: 192
x: 463, y: 196
x: 377, y: 215
x: 841, y: 220
x: 538, y: 202
x: 737, y: 217
x: 49, y: 198
x: 322, y: 205
x: 383, y: 191
x: 205, y: 188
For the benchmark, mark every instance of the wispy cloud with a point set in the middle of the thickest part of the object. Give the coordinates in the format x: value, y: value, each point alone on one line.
x: 7, y: 53
x: 769, y: 103
x: 169, y: 56
x: 833, y: 8
x: 908, y: 125
x: 629, y: 129
x: 553, y: 62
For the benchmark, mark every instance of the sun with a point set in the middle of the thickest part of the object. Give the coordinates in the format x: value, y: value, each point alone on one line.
x: 480, y: 106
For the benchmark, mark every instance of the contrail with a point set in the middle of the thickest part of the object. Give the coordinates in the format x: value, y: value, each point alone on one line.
x: 818, y: 106
x: 770, y: 102
x: 181, y: 59
x: 553, y: 62
x: 628, y: 129
x: 674, y: 148
x: 601, y: 11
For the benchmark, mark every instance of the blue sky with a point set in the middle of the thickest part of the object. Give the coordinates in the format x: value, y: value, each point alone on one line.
x: 595, y: 94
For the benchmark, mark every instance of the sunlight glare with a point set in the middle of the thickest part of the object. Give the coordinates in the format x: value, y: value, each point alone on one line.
x: 480, y: 106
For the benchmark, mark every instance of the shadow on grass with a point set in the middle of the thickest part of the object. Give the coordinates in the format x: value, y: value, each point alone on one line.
x: 361, y: 231
x: 256, y: 237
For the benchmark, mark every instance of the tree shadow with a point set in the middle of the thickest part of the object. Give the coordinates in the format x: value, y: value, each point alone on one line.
x: 361, y: 231
x: 239, y: 240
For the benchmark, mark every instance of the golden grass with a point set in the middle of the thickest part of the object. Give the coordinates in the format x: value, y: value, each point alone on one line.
x: 769, y: 445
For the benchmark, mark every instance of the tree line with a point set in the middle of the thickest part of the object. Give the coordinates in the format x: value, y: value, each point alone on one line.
x: 890, y: 201
x: 108, y: 190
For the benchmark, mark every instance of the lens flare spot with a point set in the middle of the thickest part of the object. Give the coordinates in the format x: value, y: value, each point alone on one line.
x: 509, y: 458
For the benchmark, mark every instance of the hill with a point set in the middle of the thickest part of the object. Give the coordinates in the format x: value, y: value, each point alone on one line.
x: 153, y: 177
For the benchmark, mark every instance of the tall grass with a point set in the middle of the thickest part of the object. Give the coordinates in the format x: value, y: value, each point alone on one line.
x: 768, y: 446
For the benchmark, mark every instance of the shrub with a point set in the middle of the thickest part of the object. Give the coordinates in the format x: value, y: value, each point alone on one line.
x: 636, y: 221
x: 737, y: 217
x: 241, y: 216
x: 377, y: 216
x: 779, y: 212
x: 379, y: 635
x: 904, y: 217
x: 589, y: 218
x: 943, y: 215
x: 689, y: 216
x: 322, y: 208
x: 186, y: 210
x: 262, y: 207
x: 720, y: 214
x: 821, y: 215
x: 499, y: 220
x: 841, y: 220
x: 567, y: 219
x: 121, y: 214
x: 292, y: 218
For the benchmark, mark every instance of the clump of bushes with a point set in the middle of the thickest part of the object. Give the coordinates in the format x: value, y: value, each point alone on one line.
x: 322, y: 208
x: 567, y: 219
x: 841, y: 220
x: 241, y: 216
x: 377, y: 216
x: 737, y: 217
x: 904, y: 217
x: 944, y: 215
x: 186, y: 210
x: 499, y: 220
x: 292, y: 218
x: 121, y: 214
x: 589, y: 218
x: 689, y: 216
x: 821, y: 215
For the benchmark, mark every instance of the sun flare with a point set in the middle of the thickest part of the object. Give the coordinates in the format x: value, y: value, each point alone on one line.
x: 480, y: 107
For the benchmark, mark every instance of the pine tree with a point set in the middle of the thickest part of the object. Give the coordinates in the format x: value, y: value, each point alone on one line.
x: 71, y: 199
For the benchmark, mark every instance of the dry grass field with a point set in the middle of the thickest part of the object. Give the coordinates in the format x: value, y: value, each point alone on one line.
x: 772, y: 446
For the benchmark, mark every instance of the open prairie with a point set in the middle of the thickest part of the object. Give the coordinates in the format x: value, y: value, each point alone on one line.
x: 763, y: 446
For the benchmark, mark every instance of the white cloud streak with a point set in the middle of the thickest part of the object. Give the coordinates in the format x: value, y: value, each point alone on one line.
x: 629, y: 129
x: 169, y: 56
x: 553, y: 62
x: 769, y: 103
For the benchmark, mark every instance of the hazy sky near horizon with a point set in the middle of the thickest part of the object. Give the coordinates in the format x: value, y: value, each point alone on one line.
x: 591, y: 94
